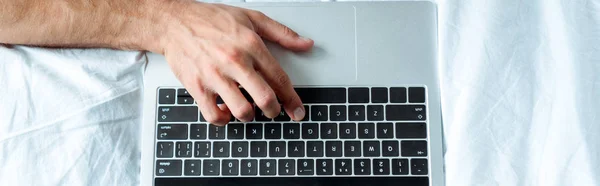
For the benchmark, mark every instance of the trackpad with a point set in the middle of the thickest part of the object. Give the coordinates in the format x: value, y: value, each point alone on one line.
x: 332, y: 61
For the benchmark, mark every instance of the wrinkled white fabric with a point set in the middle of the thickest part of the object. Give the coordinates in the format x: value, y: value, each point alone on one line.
x: 520, y: 89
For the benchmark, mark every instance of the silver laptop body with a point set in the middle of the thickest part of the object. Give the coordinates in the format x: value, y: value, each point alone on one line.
x: 373, y: 48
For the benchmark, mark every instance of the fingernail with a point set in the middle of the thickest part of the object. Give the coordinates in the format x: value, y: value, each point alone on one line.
x: 305, y: 39
x: 299, y: 113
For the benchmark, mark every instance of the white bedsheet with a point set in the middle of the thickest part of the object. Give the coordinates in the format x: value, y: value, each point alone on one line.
x: 520, y: 90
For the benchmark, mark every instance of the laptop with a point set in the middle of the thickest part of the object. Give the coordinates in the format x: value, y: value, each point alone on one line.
x: 371, y: 94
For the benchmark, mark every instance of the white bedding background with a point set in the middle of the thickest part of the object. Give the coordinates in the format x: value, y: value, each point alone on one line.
x: 520, y: 90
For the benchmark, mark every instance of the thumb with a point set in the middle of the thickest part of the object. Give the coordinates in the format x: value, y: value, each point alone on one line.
x: 279, y: 33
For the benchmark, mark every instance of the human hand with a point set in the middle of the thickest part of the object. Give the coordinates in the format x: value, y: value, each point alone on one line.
x: 213, y: 48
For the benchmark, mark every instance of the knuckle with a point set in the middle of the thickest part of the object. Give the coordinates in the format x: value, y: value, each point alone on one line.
x: 258, y: 14
x: 252, y: 39
x: 243, y: 110
x: 212, y: 117
x: 282, y: 79
x: 265, y: 99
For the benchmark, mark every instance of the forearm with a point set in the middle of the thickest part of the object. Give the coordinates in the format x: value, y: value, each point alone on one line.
x: 121, y: 24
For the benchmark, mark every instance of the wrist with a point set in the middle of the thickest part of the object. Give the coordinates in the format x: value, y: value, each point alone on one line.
x: 142, y: 26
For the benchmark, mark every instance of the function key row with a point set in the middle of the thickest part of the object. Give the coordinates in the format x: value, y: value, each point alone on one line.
x: 282, y: 167
x: 315, y: 113
x: 384, y: 130
x: 322, y: 95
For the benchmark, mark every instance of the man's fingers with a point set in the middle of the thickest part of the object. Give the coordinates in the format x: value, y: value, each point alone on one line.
x: 264, y: 97
x: 207, y: 102
x: 278, y: 33
x: 233, y: 98
x: 279, y: 81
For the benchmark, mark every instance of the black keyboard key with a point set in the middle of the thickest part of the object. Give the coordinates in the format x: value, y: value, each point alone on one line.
x: 413, y: 148
x: 202, y: 149
x: 235, y: 131
x: 352, y: 149
x: 371, y: 149
x: 258, y: 149
x: 230, y: 167
x: 259, y: 115
x: 216, y: 132
x: 418, y: 166
x: 249, y: 167
x: 375, y: 112
x: 178, y: 114
x: 172, y: 131
x: 273, y: 131
x: 282, y: 116
x: 183, y: 149
x: 416, y: 95
x: 362, y: 166
x: 221, y: 149
x: 405, y: 112
x: 366, y: 130
x: 333, y: 148
x: 358, y: 95
x: 306, y: 110
x: 306, y: 167
x: 254, y: 131
x: 356, y: 112
x: 343, y: 167
x: 310, y: 131
x: 239, y: 149
x: 183, y: 93
x: 329, y: 131
x: 379, y: 95
x: 192, y: 167
x: 185, y: 100
x: 291, y: 131
x: 348, y: 130
x: 168, y: 167
x: 268, y: 167
x: 400, y: 166
x: 164, y: 149
x: 318, y: 113
x: 166, y: 96
x: 390, y: 148
x: 314, y: 149
x: 381, y: 166
x: 296, y: 149
x: 322, y: 95
x: 398, y: 95
x: 211, y: 167
x: 198, y: 131
x: 287, y: 167
x: 411, y: 130
x: 277, y: 149
x: 337, y: 113
x: 385, y: 130
x: 324, y: 167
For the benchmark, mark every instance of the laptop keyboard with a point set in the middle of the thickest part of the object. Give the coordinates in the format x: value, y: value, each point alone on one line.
x: 347, y: 131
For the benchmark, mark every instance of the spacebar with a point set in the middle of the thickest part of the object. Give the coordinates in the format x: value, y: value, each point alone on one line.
x: 322, y: 95
x: 294, y: 181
